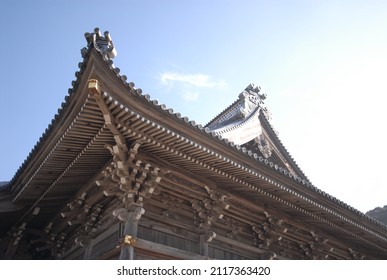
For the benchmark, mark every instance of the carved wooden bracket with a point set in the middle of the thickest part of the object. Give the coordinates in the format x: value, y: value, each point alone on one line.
x: 129, y: 178
x: 264, y: 232
x: 121, y: 214
x: 76, y: 210
x: 317, y: 244
x: 286, y: 248
x: 45, y: 240
x: 269, y: 231
x: 17, y: 233
x: 9, y: 245
x: 58, y: 244
x: 125, y: 215
x: 355, y: 255
x: 82, y: 240
x: 261, y: 238
x: 306, y: 250
x: 210, y: 209
x: 174, y: 204
x: 48, y: 228
x: 236, y: 228
x: 79, y: 212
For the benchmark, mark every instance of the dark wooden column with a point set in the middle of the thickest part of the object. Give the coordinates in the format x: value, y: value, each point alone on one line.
x: 131, y: 218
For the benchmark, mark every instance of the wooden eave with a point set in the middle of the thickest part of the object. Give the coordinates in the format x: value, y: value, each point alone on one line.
x: 73, y: 151
x: 193, y: 149
x: 68, y: 154
x: 284, y: 154
x: 245, y: 178
x: 219, y: 161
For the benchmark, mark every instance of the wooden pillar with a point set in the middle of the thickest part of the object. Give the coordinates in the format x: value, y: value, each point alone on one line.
x: 132, y: 218
x: 88, y: 249
x: 204, y: 240
x: 17, y: 235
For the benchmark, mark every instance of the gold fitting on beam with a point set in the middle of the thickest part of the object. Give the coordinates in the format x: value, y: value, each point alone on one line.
x: 94, y: 87
x: 129, y: 240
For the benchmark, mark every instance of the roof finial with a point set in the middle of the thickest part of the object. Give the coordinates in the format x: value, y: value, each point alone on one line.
x: 251, y: 98
x: 103, y: 44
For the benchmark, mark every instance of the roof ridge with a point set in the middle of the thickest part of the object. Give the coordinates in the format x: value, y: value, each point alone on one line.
x: 218, y: 116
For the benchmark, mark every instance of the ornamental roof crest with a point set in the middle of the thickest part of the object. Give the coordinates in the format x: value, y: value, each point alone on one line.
x: 103, y: 44
x: 251, y: 98
x: 240, y: 122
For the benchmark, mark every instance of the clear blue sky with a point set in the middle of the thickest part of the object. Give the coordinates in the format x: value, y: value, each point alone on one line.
x: 321, y: 63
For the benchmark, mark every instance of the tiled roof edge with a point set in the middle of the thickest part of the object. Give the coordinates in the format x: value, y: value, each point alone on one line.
x: 138, y: 91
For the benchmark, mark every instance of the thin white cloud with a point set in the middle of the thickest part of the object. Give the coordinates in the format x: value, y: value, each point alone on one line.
x: 190, y: 96
x: 195, y: 80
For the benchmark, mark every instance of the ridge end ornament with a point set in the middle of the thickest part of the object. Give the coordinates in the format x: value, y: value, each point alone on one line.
x: 240, y: 122
x: 103, y: 44
x: 251, y: 98
x: 263, y: 145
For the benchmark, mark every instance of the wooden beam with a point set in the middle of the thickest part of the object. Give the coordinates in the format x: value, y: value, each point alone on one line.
x: 156, y: 248
x: 243, y: 246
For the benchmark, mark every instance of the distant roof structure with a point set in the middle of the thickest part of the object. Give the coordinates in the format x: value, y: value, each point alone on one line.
x: 379, y: 213
x: 3, y: 185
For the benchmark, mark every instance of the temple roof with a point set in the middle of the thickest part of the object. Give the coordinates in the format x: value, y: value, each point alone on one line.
x: 241, y: 125
x: 285, y: 182
x: 104, y: 46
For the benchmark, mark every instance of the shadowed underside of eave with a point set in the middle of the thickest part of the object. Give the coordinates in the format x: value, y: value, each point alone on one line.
x: 75, y: 158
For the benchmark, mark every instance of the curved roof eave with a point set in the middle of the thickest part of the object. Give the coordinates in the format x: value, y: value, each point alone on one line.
x: 177, y: 116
